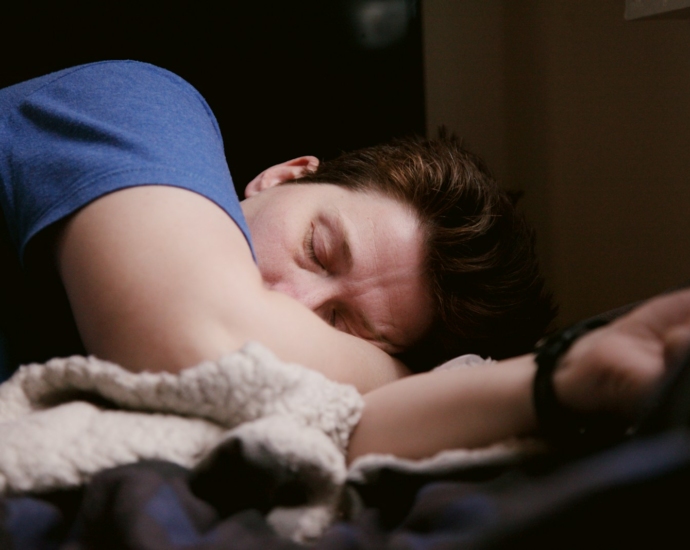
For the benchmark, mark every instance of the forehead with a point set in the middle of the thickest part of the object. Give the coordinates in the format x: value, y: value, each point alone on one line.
x: 386, y: 282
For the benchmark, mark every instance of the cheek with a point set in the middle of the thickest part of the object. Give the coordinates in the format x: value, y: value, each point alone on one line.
x: 274, y: 253
x: 269, y: 255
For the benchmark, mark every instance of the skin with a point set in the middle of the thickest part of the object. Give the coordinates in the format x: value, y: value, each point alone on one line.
x: 354, y: 259
x: 615, y: 368
x: 122, y: 258
x: 612, y: 369
x: 160, y: 278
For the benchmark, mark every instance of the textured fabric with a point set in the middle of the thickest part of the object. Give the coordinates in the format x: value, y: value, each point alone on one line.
x: 72, y: 136
x: 279, y: 430
x: 62, y: 422
x: 630, y: 496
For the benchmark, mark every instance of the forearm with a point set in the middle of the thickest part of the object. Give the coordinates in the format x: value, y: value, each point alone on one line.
x: 297, y: 335
x: 467, y: 407
x: 612, y: 370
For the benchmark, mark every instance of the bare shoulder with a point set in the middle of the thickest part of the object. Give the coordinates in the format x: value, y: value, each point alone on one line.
x: 139, y: 265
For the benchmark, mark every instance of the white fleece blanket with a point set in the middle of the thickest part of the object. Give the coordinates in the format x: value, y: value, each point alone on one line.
x: 64, y: 421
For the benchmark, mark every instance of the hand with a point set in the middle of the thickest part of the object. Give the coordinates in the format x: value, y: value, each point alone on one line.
x: 615, y: 368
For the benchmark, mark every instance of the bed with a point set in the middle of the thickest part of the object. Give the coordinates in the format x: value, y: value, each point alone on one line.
x: 273, y: 475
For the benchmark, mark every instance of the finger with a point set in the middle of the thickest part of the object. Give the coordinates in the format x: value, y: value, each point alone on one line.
x: 676, y: 344
x: 661, y: 313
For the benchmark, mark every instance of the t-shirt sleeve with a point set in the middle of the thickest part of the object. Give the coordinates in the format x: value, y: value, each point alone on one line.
x: 71, y: 137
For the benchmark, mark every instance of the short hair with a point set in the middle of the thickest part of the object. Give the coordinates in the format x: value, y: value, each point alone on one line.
x: 481, y: 265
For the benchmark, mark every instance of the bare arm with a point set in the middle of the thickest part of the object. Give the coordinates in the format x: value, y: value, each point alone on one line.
x: 160, y: 278
x: 467, y: 407
x: 613, y: 369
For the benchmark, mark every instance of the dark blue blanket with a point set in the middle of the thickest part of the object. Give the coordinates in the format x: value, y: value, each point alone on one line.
x: 633, y: 494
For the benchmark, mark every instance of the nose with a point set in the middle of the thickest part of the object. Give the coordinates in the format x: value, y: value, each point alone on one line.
x: 315, y: 293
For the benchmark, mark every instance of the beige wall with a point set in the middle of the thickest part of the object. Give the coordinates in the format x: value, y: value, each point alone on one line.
x: 589, y: 115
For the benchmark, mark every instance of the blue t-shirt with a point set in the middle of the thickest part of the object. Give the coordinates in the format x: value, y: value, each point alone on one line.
x: 70, y: 137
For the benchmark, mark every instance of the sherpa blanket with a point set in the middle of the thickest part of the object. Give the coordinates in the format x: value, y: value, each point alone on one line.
x: 66, y: 420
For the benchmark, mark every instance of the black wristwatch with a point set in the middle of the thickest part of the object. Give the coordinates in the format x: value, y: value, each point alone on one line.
x: 561, y: 426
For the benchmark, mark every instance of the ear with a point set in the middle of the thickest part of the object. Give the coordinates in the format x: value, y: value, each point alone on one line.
x: 280, y: 173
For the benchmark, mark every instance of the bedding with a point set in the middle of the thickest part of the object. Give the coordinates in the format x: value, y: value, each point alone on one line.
x: 248, y: 452
x: 629, y: 496
x: 248, y: 416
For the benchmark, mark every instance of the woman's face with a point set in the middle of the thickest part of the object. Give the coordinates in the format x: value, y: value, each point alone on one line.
x: 354, y: 258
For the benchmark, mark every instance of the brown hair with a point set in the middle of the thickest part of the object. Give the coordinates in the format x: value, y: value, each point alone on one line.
x: 481, y: 264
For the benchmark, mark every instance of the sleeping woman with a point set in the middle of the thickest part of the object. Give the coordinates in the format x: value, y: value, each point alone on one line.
x: 384, y: 261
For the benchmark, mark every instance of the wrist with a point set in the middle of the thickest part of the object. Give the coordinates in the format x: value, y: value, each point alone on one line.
x: 561, y: 423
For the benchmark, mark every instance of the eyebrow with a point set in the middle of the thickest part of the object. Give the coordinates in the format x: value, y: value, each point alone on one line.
x: 335, y: 220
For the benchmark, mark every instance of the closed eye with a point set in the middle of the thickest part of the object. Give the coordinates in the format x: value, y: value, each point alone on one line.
x: 309, y: 245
